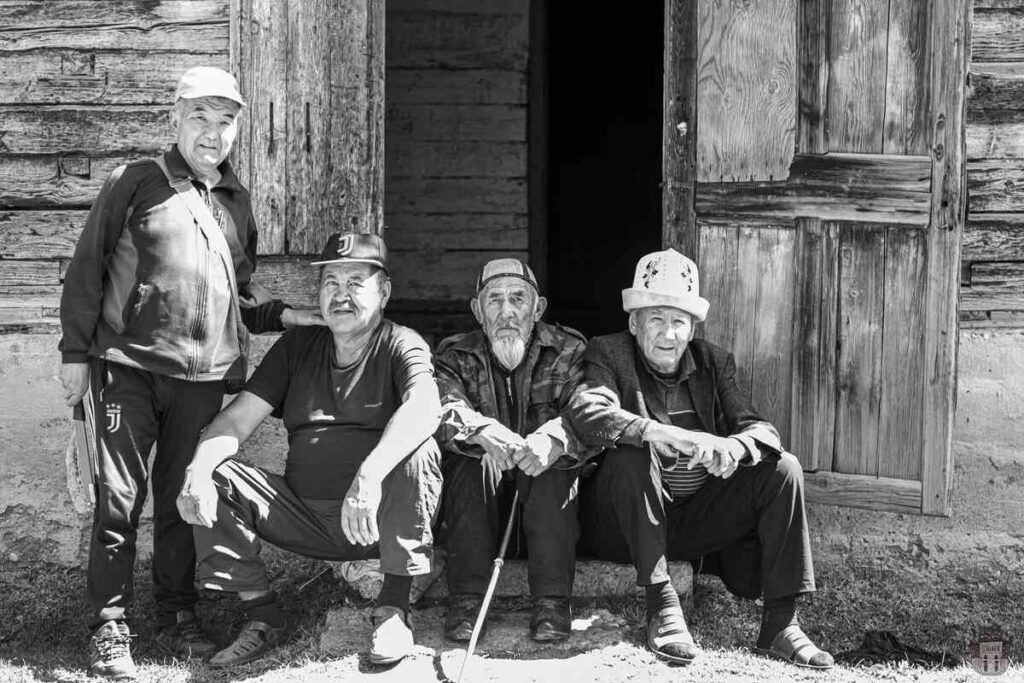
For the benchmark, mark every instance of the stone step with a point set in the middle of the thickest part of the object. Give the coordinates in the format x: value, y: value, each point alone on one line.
x: 594, y: 578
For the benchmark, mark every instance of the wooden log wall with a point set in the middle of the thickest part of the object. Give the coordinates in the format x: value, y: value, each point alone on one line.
x: 84, y: 86
x: 992, y: 271
x: 456, y: 145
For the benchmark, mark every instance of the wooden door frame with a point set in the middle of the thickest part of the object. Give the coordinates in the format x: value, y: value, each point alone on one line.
x: 949, y: 52
x: 538, y: 157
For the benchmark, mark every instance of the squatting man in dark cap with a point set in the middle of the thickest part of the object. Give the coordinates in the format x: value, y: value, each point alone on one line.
x: 362, y: 474
x: 155, y: 313
x: 505, y: 388
x: 690, y: 471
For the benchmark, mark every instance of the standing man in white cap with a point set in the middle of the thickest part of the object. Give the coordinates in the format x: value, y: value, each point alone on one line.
x: 156, y: 308
x: 690, y: 471
x: 505, y: 388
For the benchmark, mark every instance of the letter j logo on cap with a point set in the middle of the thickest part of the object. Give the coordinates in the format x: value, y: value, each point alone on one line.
x: 345, y: 245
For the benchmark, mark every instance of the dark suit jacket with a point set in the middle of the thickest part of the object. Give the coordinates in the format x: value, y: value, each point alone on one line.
x: 618, y: 388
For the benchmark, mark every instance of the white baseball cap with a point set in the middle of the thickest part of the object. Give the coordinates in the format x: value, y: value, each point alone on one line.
x: 208, y: 81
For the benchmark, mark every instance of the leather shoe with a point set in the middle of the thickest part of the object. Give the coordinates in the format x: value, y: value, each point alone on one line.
x: 551, y: 620
x: 462, y: 613
x: 669, y: 638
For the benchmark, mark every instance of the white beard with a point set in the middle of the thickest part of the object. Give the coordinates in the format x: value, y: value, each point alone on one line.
x: 509, y: 351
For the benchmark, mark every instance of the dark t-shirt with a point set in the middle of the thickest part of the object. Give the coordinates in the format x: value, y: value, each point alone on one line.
x: 335, y: 416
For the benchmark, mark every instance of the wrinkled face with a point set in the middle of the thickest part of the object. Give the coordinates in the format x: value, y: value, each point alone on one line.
x: 352, y: 296
x: 206, y: 129
x: 507, y: 309
x: 662, y: 332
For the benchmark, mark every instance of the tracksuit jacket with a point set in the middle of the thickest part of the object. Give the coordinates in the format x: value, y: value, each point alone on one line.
x: 146, y: 290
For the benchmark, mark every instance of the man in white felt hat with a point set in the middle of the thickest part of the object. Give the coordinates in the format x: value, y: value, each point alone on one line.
x: 690, y: 470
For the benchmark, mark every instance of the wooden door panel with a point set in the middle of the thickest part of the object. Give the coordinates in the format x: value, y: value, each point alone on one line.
x: 745, y: 90
x: 855, y: 357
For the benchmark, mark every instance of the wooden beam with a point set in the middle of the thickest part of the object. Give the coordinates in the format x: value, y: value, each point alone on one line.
x: 463, y: 86
x: 950, y: 35
x: 538, y: 149
x: 431, y: 39
x: 679, y: 135
x: 97, y: 77
x: 471, y: 231
x: 463, y: 122
x: 456, y: 159
x: 998, y: 34
x: 39, y: 234
x: 454, y: 195
x: 114, y: 24
x: 34, y: 273
x: 994, y: 184
x: 28, y: 305
x: 994, y: 286
x: 835, y: 187
x: 994, y: 237
x: 72, y: 129
x: 992, y: 91
x: 996, y: 135
x: 872, y: 493
x: 50, y: 181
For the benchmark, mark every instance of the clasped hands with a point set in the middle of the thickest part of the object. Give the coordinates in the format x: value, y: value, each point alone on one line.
x: 720, y: 455
x: 505, y: 450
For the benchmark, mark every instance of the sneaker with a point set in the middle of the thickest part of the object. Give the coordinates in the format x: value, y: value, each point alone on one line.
x: 185, y: 638
x: 392, y: 635
x: 110, y: 653
x: 462, y: 613
x: 254, y: 640
x: 551, y: 620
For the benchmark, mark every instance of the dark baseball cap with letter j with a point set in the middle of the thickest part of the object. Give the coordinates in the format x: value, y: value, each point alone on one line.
x: 354, y: 247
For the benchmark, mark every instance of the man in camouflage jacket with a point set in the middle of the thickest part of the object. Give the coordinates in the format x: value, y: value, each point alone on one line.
x: 504, y: 390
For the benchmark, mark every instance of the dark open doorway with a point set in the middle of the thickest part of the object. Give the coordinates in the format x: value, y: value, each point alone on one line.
x: 602, y: 76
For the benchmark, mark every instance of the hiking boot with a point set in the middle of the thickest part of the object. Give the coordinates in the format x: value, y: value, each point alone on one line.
x: 462, y: 613
x: 254, y: 640
x: 185, y: 638
x: 110, y: 653
x: 392, y: 635
x: 551, y: 620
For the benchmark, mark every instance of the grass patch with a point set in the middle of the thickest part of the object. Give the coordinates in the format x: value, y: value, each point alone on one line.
x: 43, y: 633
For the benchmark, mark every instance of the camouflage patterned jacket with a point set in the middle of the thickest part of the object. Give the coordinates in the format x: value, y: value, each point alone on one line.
x: 547, y: 376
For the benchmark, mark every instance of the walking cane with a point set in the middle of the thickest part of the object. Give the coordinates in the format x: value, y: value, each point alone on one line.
x: 498, y: 562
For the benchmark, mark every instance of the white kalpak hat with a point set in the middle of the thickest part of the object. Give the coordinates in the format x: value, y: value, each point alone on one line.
x: 666, y: 278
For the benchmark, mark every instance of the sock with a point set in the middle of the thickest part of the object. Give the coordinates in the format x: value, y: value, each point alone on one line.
x: 778, y: 613
x: 395, y: 592
x: 660, y: 596
x: 265, y: 609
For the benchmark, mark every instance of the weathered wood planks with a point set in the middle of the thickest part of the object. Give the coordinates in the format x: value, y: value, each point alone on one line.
x: 462, y: 86
x: 455, y: 122
x: 994, y: 237
x: 679, y: 118
x: 873, y: 493
x: 841, y: 187
x: 746, y: 90
x: 998, y: 34
x: 73, y: 129
x: 457, y: 40
x: 857, y: 75
x: 906, y: 122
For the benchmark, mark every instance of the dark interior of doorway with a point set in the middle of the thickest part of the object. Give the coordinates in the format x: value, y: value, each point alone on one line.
x: 604, y: 147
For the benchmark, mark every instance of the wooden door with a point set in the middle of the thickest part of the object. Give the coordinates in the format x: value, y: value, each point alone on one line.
x: 814, y: 165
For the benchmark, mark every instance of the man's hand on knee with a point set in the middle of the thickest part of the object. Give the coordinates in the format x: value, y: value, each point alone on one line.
x: 359, y: 512
x: 197, y: 502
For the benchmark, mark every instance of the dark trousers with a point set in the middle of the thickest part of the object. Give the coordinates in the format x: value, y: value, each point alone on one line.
x: 135, y: 410
x: 475, y: 514
x: 751, y: 528
x: 255, y: 505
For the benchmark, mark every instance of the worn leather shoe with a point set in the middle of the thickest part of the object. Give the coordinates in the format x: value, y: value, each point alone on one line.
x: 462, y: 614
x: 255, y: 640
x: 110, y: 653
x: 551, y: 620
x: 392, y: 635
x: 185, y: 638
x: 669, y: 638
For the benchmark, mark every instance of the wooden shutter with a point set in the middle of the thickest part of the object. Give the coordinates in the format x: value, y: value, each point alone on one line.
x: 814, y: 164
x: 312, y: 138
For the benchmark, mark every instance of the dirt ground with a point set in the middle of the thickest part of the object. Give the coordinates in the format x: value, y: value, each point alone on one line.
x: 43, y: 634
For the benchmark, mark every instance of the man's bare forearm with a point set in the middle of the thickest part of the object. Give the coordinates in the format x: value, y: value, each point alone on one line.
x: 414, y: 422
